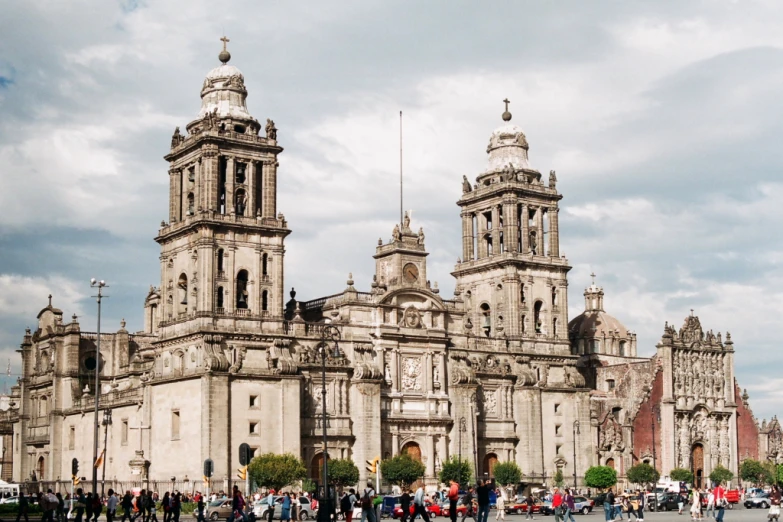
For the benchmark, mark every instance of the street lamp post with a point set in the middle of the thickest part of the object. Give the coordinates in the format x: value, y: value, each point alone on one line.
x: 100, y: 285
x: 106, y: 423
x: 330, y: 334
x: 576, y: 432
x: 463, y: 427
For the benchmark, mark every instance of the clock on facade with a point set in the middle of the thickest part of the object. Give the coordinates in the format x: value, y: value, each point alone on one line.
x: 410, y: 273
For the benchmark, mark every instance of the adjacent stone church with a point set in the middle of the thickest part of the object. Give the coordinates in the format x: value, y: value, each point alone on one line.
x: 493, y: 373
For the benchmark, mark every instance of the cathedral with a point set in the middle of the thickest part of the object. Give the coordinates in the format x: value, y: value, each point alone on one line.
x: 494, y: 373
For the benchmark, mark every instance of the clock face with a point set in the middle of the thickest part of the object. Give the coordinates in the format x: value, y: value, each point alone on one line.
x: 410, y: 273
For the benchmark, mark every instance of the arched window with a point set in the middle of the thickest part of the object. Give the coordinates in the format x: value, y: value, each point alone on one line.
x: 622, y: 349
x: 241, y: 290
x: 191, y: 203
x: 240, y: 172
x: 220, y: 255
x: 317, y: 467
x: 43, y: 406
x: 240, y: 202
x: 182, y: 284
x: 489, y: 465
x: 41, y: 468
x: 264, y: 264
x: 486, y: 323
x: 524, y: 323
x: 554, y: 326
x: 220, y: 297
x: 523, y: 296
x: 533, y: 243
x: 537, y: 316
x: 610, y: 463
x: 264, y: 300
x: 554, y: 296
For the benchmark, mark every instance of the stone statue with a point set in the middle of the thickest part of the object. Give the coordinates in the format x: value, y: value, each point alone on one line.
x: 508, y: 173
x: 176, y: 138
x: 552, y: 179
x: 435, y: 374
x: 406, y: 222
x: 465, y: 184
x: 421, y: 236
x: 396, y: 234
x: 210, y: 120
x: 241, y: 203
x: 271, y: 130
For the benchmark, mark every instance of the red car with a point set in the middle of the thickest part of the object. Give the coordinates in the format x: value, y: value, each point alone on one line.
x: 521, y: 507
x: 446, y: 512
x: 432, y: 509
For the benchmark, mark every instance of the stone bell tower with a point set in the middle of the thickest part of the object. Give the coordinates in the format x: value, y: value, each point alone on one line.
x: 511, y: 275
x: 222, y: 249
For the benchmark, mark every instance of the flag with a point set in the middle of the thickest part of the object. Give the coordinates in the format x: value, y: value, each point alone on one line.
x: 99, y: 462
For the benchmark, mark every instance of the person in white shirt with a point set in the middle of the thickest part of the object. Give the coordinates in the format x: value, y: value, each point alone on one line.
x: 710, y: 504
x: 111, y: 506
x: 418, y: 505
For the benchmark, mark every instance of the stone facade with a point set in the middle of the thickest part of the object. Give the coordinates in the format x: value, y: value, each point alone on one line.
x: 494, y: 373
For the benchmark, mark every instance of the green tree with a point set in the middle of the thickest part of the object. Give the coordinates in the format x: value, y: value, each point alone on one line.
x: 507, y: 473
x: 342, y: 472
x: 779, y: 473
x: 721, y: 475
x: 754, y: 471
x: 308, y: 486
x: 271, y: 470
x: 402, y: 470
x: 642, y: 474
x: 558, y: 478
x: 601, y: 477
x: 457, y: 470
x: 681, y: 475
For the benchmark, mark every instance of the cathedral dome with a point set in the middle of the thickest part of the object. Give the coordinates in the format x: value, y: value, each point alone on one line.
x: 596, y: 324
x: 595, y: 331
x: 223, y: 93
x: 507, y: 145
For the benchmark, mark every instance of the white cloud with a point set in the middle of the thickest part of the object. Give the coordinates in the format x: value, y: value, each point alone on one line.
x: 21, y: 296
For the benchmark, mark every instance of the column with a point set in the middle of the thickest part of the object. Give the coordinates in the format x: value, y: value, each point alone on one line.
x: 481, y: 245
x: 554, y: 233
x: 394, y: 366
x: 495, y: 230
x: 230, y: 180
x: 208, y: 180
x: 395, y: 444
x: 430, y: 456
x: 467, y: 236
x: 525, y: 222
x: 512, y: 227
x: 269, y: 198
x: 250, y: 177
x: 258, y: 184
x: 540, y: 230
x: 173, y: 196
x: 442, y: 373
x: 428, y: 372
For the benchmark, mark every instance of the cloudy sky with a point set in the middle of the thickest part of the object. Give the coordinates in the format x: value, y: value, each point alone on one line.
x: 662, y: 119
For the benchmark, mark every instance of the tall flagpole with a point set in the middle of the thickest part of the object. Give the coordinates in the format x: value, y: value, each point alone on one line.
x: 401, y: 220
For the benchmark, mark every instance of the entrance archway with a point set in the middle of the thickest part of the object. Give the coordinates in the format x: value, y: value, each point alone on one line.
x: 413, y: 450
x: 317, y: 468
x: 697, y: 459
x: 41, y: 467
x: 610, y: 463
x: 489, y: 465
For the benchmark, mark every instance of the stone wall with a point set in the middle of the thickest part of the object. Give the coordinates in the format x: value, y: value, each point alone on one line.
x: 646, y: 417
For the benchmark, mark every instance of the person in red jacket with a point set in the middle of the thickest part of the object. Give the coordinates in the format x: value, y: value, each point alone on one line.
x: 453, y: 497
x: 557, y: 505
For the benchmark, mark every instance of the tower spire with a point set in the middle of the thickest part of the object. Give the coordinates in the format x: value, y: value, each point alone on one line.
x: 224, y: 55
x: 506, y: 115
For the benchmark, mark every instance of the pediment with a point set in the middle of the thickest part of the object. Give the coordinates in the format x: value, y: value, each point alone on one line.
x: 421, y: 299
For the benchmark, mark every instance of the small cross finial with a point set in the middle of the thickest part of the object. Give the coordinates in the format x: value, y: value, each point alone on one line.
x: 691, y: 312
x: 593, y: 276
x: 50, y: 299
x: 224, y: 55
x: 225, y: 41
x: 506, y: 115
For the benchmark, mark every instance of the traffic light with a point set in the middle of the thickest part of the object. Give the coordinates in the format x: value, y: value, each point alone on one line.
x: 372, y: 465
x: 209, y: 468
x: 206, y: 481
x: 75, y: 467
x: 242, y: 473
x: 76, y: 479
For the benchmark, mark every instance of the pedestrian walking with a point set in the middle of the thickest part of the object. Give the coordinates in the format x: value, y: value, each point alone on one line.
x: 61, y: 508
x: 270, y: 503
x: 80, y: 500
x: 176, y: 506
x: 285, y: 509
x: 200, y: 510
x: 468, y: 500
x: 557, y: 505
x: 609, y: 505
x: 720, y: 502
x: 97, y: 508
x: 111, y: 506
x: 453, y: 498
x: 166, y: 504
x: 149, y: 506
x: 680, y: 503
x: 48, y: 506
x: 368, y: 510
x: 500, y: 504
x: 405, y: 505
x: 482, y: 497
x: 88, y: 507
x: 695, y: 504
x: 22, y: 508
x: 710, y: 504
x: 347, y: 502
x: 641, y: 503
x: 529, y: 501
x: 418, y: 505
x: 569, y: 505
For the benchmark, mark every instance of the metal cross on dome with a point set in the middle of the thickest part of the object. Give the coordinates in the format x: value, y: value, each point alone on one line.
x: 506, y: 102
x: 593, y: 276
x: 225, y: 41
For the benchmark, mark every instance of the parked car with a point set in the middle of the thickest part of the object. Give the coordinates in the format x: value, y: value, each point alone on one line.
x: 521, y: 507
x: 260, y: 508
x: 219, y: 509
x: 668, y: 502
x: 760, y: 500
x: 9, y: 500
x: 433, y: 509
x: 445, y: 509
x: 583, y: 505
